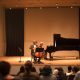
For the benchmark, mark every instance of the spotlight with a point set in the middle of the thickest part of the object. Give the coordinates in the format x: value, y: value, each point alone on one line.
x: 26, y: 8
x: 10, y: 8
x: 71, y: 7
x: 57, y: 6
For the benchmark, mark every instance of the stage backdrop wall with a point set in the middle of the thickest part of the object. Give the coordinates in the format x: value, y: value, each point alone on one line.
x: 41, y: 24
x: 14, y: 23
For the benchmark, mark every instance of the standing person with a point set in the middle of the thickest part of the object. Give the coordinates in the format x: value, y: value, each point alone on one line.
x: 29, y: 74
x: 33, y: 49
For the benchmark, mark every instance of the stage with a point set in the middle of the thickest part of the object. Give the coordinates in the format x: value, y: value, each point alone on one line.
x: 57, y: 61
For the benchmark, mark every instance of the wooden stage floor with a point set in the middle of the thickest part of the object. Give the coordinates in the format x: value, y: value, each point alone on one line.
x: 55, y: 62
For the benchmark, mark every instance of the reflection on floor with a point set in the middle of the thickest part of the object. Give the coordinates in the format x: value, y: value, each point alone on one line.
x: 55, y: 62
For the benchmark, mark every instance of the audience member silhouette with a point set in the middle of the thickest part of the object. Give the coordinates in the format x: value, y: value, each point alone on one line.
x: 46, y: 73
x: 77, y: 76
x: 69, y: 72
x: 75, y: 69
x: 21, y: 71
x: 61, y: 74
x: 29, y: 73
x: 5, y: 70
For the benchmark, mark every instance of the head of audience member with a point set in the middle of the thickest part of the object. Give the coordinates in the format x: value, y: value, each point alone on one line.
x: 61, y: 74
x: 60, y: 71
x: 46, y: 70
x: 4, y: 68
x: 69, y: 68
x: 77, y: 76
x: 75, y: 69
x: 22, y: 70
x: 55, y: 72
x: 28, y: 66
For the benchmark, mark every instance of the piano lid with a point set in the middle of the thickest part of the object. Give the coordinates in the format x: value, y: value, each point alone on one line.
x: 61, y: 43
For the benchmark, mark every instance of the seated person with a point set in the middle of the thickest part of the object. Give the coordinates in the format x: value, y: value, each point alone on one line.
x: 46, y: 73
x: 30, y: 73
x: 39, y: 52
x: 5, y: 71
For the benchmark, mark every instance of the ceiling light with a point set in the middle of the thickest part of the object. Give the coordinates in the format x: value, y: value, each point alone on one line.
x: 26, y: 8
x: 71, y: 7
x: 10, y: 8
x: 40, y: 7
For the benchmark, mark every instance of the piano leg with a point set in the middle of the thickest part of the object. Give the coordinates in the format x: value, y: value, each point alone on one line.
x: 50, y: 56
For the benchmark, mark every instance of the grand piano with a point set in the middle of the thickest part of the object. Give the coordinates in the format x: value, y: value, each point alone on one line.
x: 61, y: 43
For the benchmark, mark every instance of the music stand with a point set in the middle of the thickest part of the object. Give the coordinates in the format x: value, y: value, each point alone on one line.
x: 39, y: 49
x: 20, y: 51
